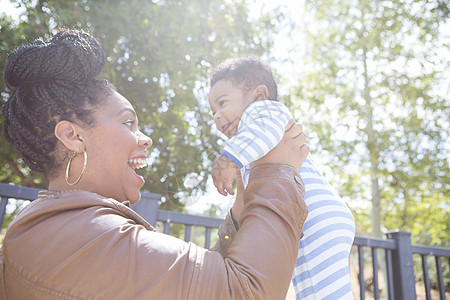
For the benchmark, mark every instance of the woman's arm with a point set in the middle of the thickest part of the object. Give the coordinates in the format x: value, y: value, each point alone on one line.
x: 110, y: 255
x: 229, y: 227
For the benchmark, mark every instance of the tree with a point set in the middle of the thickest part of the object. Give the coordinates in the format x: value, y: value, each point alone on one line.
x: 12, y: 168
x: 378, y: 71
x: 159, y: 56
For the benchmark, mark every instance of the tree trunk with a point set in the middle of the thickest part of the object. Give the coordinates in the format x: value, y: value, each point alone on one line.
x: 372, y: 146
x: 373, y: 154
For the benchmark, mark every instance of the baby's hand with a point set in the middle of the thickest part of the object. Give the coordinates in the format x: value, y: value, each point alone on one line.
x: 223, y: 172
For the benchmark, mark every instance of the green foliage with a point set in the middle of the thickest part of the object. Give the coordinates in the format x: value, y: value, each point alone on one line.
x: 12, y: 169
x: 375, y: 69
x: 159, y: 56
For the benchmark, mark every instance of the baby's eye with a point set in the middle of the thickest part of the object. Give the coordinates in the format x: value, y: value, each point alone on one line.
x: 221, y: 103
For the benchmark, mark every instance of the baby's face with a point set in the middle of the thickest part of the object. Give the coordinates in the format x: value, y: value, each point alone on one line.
x: 228, y: 103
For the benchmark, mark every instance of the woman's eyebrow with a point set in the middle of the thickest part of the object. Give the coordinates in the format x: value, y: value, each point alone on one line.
x: 126, y: 109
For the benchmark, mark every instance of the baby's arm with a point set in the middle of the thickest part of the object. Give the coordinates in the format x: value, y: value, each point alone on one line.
x: 261, y: 128
x: 223, y: 173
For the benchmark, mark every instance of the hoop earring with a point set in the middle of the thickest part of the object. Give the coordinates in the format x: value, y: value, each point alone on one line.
x: 71, y: 156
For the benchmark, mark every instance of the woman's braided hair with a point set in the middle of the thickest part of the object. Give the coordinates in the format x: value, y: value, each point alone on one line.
x: 51, y: 80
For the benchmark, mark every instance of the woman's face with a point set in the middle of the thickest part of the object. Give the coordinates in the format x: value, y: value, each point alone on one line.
x: 115, y: 148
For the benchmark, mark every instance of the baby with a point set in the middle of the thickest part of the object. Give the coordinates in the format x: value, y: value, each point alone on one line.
x: 243, y: 99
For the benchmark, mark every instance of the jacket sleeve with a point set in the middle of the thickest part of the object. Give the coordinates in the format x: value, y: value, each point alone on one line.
x: 259, y: 262
x: 227, y: 231
x: 256, y: 262
x: 101, y: 253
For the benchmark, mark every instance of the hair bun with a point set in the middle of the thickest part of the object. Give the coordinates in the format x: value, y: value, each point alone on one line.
x: 71, y: 55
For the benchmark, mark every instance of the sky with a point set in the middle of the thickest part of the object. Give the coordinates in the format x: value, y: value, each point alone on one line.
x: 7, y: 7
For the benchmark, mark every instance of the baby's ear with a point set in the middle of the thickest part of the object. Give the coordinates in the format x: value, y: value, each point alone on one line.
x: 261, y: 92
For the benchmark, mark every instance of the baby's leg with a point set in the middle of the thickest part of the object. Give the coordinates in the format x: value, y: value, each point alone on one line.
x: 321, y: 270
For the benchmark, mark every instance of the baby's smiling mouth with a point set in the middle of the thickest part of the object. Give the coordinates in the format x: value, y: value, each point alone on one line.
x: 137, y: 163
x: 225, y: 127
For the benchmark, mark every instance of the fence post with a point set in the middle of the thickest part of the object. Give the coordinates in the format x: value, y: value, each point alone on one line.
x: 403, y: 266
x: 147, y: 207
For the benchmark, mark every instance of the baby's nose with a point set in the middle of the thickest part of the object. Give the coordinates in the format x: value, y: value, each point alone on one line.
x: 216, y: 116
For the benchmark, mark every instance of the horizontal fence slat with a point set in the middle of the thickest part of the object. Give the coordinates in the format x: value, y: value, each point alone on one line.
x: 424, y: 250
x: 177, y: 217
x: 375, y: 243
x: 18, y: 192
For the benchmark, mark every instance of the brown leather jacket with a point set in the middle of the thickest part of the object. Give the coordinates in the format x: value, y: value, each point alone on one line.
x: 79, y: 245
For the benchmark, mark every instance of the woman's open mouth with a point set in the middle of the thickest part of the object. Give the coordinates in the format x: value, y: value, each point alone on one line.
x: 137, y: 163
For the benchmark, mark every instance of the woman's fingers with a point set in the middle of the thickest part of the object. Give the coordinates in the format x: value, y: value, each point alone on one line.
x: 294, y: 130
x: 304, y: 149
x: 291, y: 149
x: 299, y: 150
x: 300, y: 139
x: 289, y: 124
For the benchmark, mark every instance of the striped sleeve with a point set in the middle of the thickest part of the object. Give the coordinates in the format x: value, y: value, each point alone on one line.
x: 260, y: 129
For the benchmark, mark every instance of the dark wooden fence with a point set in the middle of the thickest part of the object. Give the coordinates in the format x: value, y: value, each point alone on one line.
x: 397, y: 249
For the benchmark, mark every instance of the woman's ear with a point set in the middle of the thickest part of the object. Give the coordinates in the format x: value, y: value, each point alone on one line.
x: 68, y: 134
x: 261, y: 92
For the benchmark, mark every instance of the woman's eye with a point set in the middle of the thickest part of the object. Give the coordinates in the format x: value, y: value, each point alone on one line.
x: 129, y: 123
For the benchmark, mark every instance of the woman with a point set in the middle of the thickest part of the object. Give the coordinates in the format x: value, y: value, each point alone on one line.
x: 80, y: 239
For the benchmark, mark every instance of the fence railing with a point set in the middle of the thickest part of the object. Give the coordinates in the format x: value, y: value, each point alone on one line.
x: 398, y: 268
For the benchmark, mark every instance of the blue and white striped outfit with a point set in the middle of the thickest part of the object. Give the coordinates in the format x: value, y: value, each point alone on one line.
x: 322, y: 267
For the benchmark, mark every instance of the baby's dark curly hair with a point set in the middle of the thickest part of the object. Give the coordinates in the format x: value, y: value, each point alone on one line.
x: 50, y: 81
x: 246, y: 73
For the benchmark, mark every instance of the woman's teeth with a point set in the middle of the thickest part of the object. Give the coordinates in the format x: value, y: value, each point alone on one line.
x: 138, y: 163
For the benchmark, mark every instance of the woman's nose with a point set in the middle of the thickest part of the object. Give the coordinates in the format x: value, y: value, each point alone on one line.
x: 144, y: 141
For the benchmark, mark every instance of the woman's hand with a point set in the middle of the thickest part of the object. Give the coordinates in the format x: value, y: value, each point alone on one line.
x: 223, y: 173
x: 291, y: 150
